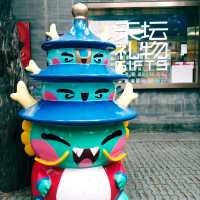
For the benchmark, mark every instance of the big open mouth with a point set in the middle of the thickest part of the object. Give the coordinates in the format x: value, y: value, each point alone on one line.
x: 85, y: 157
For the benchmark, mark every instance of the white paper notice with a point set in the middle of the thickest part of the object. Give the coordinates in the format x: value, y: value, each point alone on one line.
x: 183, y: 49
x: 182, y: 72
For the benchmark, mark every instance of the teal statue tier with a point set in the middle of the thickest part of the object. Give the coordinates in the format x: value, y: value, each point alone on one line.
x: 78, y: 129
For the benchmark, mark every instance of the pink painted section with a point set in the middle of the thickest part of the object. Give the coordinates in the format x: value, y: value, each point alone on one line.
x: 118, y: 147
x: 55, y: 61
x: 111, y: 96
x: 105, y: 61
x: 49, y: 96
x: 44, y: 150
x: 85, y: 163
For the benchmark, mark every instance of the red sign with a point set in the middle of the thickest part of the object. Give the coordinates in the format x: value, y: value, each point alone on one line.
x: 24, y: 42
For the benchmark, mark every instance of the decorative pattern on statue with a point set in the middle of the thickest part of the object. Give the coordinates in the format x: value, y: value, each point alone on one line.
x: 78, y: 130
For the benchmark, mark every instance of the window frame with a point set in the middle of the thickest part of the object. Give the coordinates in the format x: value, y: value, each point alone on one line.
x: 158, y: 4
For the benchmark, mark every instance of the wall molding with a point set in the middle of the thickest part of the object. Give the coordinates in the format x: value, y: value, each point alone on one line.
x: 147, y: 4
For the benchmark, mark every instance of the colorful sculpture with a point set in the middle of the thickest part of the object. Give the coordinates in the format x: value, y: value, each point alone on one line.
x: 78, y: 129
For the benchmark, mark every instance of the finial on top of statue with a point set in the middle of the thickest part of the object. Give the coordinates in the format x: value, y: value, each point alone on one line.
x: 80, y: 11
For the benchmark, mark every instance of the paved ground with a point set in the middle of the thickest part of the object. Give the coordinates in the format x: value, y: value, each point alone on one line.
x: 160, y: 167
x: 164, y: 167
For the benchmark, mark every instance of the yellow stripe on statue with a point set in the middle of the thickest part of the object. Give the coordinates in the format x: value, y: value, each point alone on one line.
x: 53, y: 163
x: 114, y: 159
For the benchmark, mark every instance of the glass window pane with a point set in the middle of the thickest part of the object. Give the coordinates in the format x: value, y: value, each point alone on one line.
x: 154, y: 45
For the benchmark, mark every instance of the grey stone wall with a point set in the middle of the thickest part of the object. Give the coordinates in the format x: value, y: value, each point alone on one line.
x: 41, y: 13
x: 168, y: 110
x: 13, y: 162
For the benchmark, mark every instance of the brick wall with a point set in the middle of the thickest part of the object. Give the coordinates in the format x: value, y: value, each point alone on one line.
x: 41, y: 13
x: 168, y: 110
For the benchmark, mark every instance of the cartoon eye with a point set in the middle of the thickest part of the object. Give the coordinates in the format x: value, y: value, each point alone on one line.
x: 49, y: 136
x: 98, y: 57
x: 99, y: 92
x: 113, y: 135
x: 69, y: 94
x: 68, y: 56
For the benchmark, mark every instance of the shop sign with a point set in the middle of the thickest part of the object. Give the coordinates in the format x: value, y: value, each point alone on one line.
x: 151, y: 40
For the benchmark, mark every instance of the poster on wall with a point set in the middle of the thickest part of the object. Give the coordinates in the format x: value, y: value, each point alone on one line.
x: 23, y: 29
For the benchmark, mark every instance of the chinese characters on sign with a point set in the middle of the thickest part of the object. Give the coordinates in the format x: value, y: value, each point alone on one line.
x: 142, y: 47
x: 147, y: 51
x: 155, y: 50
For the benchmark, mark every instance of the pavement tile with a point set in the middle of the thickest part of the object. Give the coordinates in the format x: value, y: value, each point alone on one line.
x: 160, y: 167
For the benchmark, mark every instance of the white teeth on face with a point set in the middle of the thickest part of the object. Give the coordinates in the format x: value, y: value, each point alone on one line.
x: 78, y: 151
x: 94, y: 150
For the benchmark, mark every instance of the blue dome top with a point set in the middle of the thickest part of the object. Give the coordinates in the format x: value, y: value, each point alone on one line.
x: 79, y: 36
x: 77, y: 112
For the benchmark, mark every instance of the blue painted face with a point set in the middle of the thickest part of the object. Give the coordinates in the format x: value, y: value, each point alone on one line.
x: 78, y: 91
x: 72, y: 56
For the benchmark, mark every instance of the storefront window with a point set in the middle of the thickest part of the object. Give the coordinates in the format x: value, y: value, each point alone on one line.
x: 156, y: 46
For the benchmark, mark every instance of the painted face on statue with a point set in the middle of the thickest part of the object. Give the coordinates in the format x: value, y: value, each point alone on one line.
x: 78, y: 91
x: 77, y: 55
x: 78, y: 146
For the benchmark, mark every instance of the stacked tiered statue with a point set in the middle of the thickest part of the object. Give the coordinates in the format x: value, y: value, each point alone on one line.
x: 77, y: 131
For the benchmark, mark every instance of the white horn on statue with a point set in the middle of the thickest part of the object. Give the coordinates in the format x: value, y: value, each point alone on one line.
x: 33, y: 67
x: 52, y: 32
x: 127, y: 96
x: 23, y: 96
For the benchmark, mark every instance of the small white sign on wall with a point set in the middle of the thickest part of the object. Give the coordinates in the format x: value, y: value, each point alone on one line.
x: 182, y: 72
